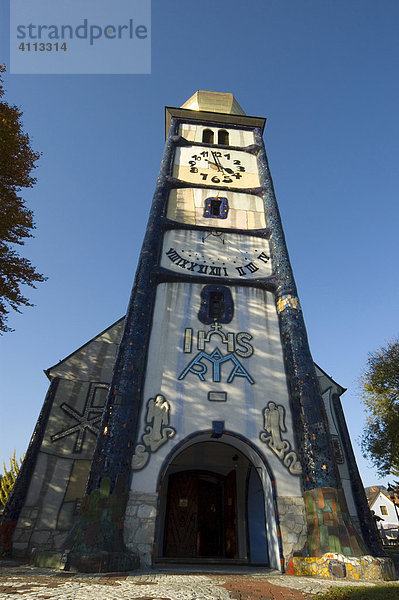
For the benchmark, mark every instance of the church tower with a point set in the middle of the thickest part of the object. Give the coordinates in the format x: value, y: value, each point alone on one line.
x: 220, y: 439
x: 215, y: 406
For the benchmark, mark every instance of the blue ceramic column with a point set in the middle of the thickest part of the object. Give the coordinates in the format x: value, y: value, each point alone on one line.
x: 329, y: 524
x: 314, y: 446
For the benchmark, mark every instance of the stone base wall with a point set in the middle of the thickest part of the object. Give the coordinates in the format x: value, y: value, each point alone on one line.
x: 139, y: 526
x: 293, y: 524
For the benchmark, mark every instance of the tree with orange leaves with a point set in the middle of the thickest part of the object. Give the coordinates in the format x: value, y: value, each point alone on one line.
x: 17, y: 160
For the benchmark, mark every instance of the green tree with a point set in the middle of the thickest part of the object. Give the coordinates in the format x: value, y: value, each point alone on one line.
x: 380, y: 386
x: 17, y: 160
x: 8, y: 479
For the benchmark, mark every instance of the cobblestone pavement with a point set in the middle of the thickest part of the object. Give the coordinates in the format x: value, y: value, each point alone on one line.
x: 172, y: 584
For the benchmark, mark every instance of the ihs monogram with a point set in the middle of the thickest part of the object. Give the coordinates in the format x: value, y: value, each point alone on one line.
x: 235, y: 343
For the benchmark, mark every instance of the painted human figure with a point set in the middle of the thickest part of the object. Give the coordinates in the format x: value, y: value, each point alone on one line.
x: 157, y: 414
x: 274, y: 425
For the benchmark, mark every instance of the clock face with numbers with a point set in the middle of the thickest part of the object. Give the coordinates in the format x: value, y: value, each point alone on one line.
x: 216, y: 254
x: 213, y: 167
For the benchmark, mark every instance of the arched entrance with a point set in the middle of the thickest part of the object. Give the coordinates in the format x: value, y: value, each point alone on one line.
x: 213, y: 505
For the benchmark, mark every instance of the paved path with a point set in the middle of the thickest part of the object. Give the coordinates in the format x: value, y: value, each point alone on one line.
x: 161, y: 584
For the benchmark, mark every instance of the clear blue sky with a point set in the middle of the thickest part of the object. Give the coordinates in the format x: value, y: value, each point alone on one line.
x: 323, y: 72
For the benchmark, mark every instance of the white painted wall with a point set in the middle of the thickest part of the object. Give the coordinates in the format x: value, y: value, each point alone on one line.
x: 176, y: 308
x: 389, y: 520
x: 186, y: 205
x: 342, y: 467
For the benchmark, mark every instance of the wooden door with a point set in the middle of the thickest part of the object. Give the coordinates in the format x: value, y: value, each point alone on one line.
x: 181, y: 518
x: 210, y: 517
x: 201, y: 515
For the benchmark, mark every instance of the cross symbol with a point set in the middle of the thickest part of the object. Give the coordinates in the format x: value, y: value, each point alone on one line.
x: 216, y: 326
x: 89, y: 420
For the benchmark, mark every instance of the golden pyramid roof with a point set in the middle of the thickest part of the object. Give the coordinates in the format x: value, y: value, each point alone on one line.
x: 217, y: 102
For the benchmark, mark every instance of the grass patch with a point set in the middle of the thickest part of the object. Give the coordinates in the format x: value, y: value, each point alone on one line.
x: 378, y: 592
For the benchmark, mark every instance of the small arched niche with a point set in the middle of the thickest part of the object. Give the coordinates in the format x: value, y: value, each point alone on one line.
x: 223, y: 137
x: 208, y: 136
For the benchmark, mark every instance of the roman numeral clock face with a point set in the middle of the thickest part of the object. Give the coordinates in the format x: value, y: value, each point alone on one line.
x: 208, y: 166
x: 215, y: 254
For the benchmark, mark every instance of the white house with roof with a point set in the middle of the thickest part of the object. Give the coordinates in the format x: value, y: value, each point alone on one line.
x: 385, y: 511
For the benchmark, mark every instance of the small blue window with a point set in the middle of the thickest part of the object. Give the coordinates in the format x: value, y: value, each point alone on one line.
x: 216, y: 208
x: 216, y: 304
